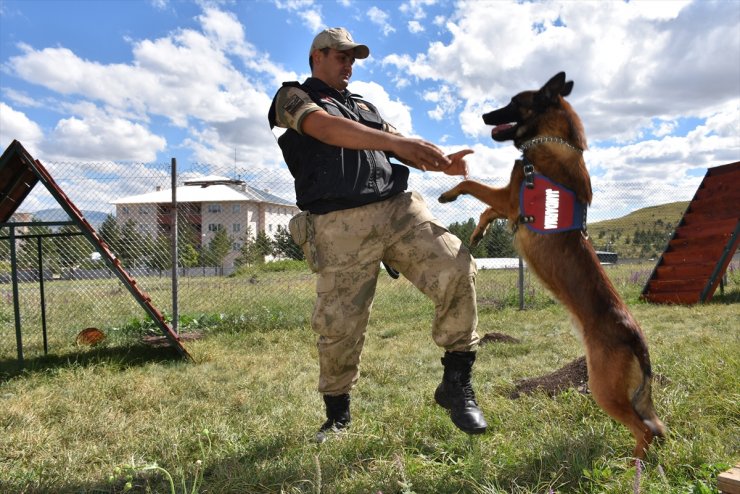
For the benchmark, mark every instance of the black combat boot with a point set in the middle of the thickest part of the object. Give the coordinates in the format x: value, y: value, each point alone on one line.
x: 337, y: 415
x: 455, y: 393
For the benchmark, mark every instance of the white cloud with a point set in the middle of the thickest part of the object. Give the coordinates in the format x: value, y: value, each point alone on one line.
x: 380, y: 18
x: 188, y: 77
x: 102, y: 137
x: 393, y: 111
x: 633, y: 63
x: 415, y: 27
x: 445, y: 100
x: 307, y: 10
x: 601, y: 45
x: 16, y: 125
x: 415, y: 8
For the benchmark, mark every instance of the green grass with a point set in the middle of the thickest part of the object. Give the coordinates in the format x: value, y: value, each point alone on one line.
x: 242, y: 418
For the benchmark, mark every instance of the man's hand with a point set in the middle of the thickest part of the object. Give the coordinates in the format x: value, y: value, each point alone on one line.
x: 420, y: 154
x: 458, y: 165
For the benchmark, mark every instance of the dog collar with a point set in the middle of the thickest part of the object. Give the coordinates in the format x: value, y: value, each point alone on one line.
x: 539, y: 140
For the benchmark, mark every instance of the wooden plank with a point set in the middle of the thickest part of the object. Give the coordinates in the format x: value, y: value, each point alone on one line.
x: 683, y: 271
x: 684, y: 285
x: 726, y: 190
x: 729, y: 482
x: 694, y: 218
x: 681, y: 298
x: 713, y: 228
x: 714, y: 204
x: 692, y: 256
x: 693, y: 242
x: 728, y: 168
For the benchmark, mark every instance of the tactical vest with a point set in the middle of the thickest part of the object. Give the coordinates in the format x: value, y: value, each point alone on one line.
x: 329, y: 178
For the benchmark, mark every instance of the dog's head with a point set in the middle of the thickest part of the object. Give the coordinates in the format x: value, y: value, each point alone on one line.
x: 521, y: 119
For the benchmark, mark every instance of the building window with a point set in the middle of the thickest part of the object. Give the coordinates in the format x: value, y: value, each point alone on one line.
x: 236, y: 208
x: 214, y: 208
x: 269, y: 227
x: 236, y: 227
x: 236, y: 246
x: 143, y: 210
x: 215, y: 227
x: 124, y: 210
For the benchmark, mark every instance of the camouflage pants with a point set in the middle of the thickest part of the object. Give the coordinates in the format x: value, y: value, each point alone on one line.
x: 349, y: 246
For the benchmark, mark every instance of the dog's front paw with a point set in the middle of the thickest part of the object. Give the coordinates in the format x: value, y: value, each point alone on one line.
x: 448, y: 196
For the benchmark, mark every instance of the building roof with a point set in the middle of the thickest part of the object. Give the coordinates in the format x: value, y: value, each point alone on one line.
x: 235, y: 191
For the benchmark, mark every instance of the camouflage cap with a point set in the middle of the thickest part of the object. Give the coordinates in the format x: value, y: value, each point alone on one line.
x: 339, y: 39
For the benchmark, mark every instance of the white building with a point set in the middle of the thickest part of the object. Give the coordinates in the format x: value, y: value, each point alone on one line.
x: 208, y: 205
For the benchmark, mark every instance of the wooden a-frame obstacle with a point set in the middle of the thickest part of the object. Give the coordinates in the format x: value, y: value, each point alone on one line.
x: 19, y: 173
x: 702, y: 245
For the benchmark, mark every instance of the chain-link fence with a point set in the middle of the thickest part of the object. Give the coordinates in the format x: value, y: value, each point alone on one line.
x: 234, y: 249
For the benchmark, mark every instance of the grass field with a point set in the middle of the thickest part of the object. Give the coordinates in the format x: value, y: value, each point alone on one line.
x: 128, y: 417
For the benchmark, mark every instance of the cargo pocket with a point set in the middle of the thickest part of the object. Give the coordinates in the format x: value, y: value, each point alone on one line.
x: 325, y: 283
x: 301, y: 230
x: 444, y: 237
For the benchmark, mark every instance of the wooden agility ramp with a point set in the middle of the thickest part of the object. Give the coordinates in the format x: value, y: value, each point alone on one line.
x: 703, y: 244
x: 19, y: 174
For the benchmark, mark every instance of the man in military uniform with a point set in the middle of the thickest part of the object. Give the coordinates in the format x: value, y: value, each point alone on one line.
x: 357, y: 214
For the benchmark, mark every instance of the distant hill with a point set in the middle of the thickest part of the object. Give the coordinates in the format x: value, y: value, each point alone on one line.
x: 95, y: 218
x: 643, y: 233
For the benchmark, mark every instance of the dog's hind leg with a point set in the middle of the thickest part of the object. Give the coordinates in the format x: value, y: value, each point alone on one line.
x: 614, y: 378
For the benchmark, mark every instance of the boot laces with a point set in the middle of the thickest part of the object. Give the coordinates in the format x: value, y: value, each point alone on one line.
x: 467, y: 389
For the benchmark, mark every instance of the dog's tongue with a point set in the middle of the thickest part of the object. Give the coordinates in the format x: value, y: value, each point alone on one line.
x: 500, y: 128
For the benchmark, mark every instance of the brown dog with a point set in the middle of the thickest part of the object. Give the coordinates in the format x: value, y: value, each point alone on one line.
x: 545, y: 202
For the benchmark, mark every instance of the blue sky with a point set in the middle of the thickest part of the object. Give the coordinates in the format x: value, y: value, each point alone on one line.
x: 657, y: 83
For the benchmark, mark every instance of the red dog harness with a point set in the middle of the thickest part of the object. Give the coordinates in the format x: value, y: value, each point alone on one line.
x: 547, y: 206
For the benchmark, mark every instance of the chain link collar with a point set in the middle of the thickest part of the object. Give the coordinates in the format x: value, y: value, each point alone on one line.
x: 539, y: 140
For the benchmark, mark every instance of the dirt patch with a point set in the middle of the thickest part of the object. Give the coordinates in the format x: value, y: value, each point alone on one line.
x: 572, y: 375
x: 498, y: 338
x: 163, y: 341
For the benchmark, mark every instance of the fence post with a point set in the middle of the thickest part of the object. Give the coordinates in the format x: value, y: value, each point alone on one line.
x: 521, y: 283
x: 175, y: 258
x: 16, y: 298
x: 41, y: 294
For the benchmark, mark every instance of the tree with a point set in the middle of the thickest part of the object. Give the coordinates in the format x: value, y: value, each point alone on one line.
x: 160, y: 257
x: 48, y: 248
x: 263, y: 246
x: 130, y: 246
x: 247, y: 253
x: 285, y: 246
x: 463, y: 231
x: 217, y: 249
x: 109, y: 233
x: 498, y: 240
x: 188, y: 244
x: 73, y: 248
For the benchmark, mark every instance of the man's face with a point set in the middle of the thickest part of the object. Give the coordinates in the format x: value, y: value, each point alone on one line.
x: 334, y: 67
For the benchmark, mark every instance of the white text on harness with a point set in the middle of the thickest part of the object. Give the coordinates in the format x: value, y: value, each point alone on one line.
x: 552, y: 203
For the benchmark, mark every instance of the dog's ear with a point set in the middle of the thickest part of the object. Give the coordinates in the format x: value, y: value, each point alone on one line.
x: 549, y: 93
x: 567, y: 88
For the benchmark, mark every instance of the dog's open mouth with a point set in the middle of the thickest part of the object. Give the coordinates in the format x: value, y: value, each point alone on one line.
x: 504, y: 120
x: 500, y: 128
